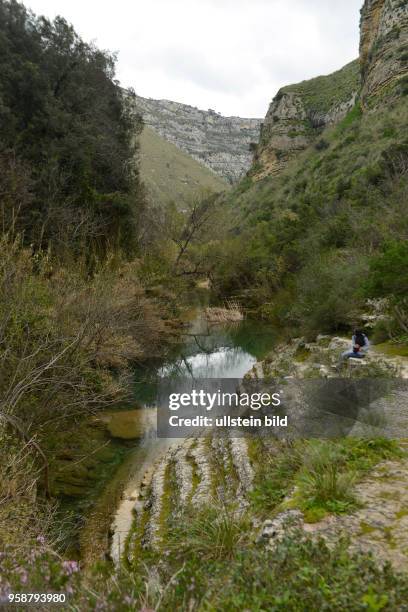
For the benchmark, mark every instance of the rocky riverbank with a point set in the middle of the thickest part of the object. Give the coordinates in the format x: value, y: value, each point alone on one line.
x: 234, y: 473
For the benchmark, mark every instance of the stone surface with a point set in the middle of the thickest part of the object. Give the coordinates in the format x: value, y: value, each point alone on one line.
x: 273, y: 530
x: 299, y: 113
x: 381, y: 525
x: 220, y: 143
x: 383, y: 45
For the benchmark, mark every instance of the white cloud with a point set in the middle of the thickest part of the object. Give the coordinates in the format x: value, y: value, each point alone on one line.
x: 230, y: 55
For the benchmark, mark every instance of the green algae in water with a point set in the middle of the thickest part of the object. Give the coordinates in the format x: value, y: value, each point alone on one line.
x: 126, y: 424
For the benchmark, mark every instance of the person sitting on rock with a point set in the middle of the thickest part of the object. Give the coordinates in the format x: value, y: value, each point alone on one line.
x: 359, y: 346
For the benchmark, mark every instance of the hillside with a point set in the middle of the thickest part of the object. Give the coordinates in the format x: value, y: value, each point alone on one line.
x: 170, y: 174
x: 299, y: 113
x: 320, y: 233
x: 220, y: 143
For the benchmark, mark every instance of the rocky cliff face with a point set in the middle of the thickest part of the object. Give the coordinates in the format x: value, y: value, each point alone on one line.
x: 220, y: 143
x: 299, y: 113
x: 383, y: 46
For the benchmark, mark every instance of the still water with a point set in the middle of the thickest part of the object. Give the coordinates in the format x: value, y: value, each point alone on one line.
x: 208, y: 351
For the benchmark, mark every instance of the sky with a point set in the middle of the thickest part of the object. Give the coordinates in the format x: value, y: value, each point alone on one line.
x: 228, y: 55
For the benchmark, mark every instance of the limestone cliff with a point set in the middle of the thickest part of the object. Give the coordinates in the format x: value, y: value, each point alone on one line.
x: 299, y: 113
x: 383, y: 45
x: 220, y: 143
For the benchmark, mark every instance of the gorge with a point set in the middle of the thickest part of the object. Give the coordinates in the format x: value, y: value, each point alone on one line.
x: 147, y: 239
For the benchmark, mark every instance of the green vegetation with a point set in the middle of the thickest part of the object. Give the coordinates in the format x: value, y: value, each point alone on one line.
x: 80, y: 300
x: 170, y: 175
x: 309, y: 247
x: 321, y: 472
x: 92, y: 279
x: 298, y: 574
x: 68, y: 177
x: 325, y: 92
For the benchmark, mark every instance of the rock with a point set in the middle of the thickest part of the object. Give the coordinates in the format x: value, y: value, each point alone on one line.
x: 380, y: 524
x: 324, y: 371
x: 240, y: 458
x: 276, y: 528
x: 356, y: 362
x: 220, y: 143
x: 184, y: 474
x: 293, y: 122
x: 384, y: 37
x: 200, y: 456
x: 338, y: 343
x: 258, y: 370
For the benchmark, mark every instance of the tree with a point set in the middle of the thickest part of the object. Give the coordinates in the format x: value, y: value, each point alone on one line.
x: 65, y: 116
x: 388, y: 278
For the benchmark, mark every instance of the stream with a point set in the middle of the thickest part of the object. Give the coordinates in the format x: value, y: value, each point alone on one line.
x: 208, y: 351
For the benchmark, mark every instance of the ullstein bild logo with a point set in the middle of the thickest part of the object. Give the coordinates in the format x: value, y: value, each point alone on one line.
x: 291, y: 408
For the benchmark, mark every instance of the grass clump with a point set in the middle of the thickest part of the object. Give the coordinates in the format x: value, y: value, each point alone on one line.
x: 215, y: 532
x: 324, y: 484
x: 322, y: 474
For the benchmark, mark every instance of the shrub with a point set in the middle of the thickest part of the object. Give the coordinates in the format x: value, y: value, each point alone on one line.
x: 327, y: 293
x: 323, y: 483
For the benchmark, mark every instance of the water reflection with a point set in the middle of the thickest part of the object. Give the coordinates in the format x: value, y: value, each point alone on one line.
x: 210, y: 351
x: 216, y: 351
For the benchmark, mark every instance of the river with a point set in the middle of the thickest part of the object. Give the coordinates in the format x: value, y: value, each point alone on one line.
x: 208, y: 351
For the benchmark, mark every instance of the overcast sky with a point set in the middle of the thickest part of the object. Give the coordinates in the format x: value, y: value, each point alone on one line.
x: 229, y: 55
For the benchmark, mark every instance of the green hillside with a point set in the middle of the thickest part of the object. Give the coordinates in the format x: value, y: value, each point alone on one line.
x: 311, y: 246
x: 172, y: 175
x: 324, y: 92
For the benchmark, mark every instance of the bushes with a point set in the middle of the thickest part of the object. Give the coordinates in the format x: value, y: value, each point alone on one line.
x: 328, y: 292
x: 388, y: 277
x: 298, y: 574
x: 303, y: 575
x: 389, y: 272
x: 66, y: 343
x: 63, y: 334
x: 318, y: 225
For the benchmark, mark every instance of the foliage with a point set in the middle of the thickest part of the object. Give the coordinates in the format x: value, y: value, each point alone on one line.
x: 302, y: 243
x: 65, y: 121
x: 388, y: 274
x: 274, y: 477
x: 299, y: 574
x: 388, y: 277
x: 66, y: 344
x: 322, y: 93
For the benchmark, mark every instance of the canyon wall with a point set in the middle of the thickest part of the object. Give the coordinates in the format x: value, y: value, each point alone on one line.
x: 383, y: 47
x: 223, y: 144
x: 299, y: 113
